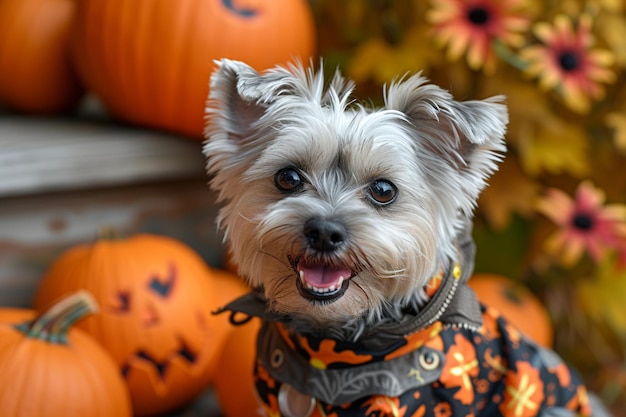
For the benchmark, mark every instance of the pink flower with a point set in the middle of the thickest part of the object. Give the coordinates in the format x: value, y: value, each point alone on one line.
x: 566, y: 62
x: 585, y: 223
x: 472, y: 26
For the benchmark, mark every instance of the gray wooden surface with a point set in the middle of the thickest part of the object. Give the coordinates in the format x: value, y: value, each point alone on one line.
x: 61, y: 179
x: 50, y: 154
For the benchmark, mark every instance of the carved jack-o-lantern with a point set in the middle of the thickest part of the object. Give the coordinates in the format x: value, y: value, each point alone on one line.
x: 156, y: 296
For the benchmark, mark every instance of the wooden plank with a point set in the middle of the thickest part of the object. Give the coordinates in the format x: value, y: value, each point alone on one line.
x: 35, y: 230
x: 39, y: 154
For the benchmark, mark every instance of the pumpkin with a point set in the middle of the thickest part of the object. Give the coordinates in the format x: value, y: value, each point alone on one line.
x: 234, y: 376
x: 517, y: 304
x: 150, y: 61
x: 229, y: 287
x: 37, y: 75
x: 229, y: 284
x: 229, y: 263
x: 156, y: 296
x: 49, y: 368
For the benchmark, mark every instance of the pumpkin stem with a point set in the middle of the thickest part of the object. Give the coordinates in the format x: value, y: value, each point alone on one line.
x: 53, y: 324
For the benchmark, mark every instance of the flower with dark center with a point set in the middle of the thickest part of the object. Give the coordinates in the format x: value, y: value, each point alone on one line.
x: 569, y: 61
x: 566, y: 62
x: 585, y: 223
x: 471, y: 27
x: 478, y: 16
x: 582, y: 221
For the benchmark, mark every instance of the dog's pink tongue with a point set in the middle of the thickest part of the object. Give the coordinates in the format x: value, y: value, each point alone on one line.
x: 322, y: 276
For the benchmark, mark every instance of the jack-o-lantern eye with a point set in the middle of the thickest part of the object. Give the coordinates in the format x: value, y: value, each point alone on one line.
x: 163, y: 287
x: 122, y: 299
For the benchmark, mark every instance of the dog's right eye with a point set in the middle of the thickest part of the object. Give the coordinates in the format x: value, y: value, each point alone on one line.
x: 287, y: 180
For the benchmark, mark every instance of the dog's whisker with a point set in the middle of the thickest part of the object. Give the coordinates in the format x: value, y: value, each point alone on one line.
x: 246, y: 218
x: 275, y: 257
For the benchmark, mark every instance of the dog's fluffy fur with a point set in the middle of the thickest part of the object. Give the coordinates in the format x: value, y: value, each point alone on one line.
x: 339, y: 216
x: 438, y: 152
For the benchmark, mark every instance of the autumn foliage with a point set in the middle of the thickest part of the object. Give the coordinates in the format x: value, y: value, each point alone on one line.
x: 554, y: 216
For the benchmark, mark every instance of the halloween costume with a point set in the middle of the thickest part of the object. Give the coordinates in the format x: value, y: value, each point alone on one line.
x: 452, y: 358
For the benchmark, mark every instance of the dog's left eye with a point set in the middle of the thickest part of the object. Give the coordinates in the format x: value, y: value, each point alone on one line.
x: 382, y: 192
x: 287, y: 179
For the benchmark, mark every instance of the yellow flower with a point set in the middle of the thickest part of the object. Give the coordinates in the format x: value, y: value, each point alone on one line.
x: 612, y: 6
x: 611, y: 27
x: 603, y: 296
x: 472, y: 26
x: 553, y: 146
x: 381, y: 62
x: 566, y: 62
x: 509, y: 191
x: 617, y: 121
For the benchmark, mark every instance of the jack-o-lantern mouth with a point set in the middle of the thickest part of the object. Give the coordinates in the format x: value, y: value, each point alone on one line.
x: 321, y: 281
x: 161, y: 366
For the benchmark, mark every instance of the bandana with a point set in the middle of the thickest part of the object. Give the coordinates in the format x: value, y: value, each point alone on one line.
x: 453, y: 357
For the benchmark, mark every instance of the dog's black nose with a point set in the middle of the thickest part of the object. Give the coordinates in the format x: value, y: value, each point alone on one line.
x: 324, y: 235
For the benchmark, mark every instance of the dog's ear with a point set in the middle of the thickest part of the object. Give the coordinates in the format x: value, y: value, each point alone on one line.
x: 236, y: 99
x: 239, y: 95
x: 456, y: 130
x: 467, y: 135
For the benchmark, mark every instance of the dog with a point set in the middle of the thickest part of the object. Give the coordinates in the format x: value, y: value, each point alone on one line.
x: 353, y: 226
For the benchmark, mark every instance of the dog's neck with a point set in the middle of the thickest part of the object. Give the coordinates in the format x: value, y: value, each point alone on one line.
x: 448, y: 300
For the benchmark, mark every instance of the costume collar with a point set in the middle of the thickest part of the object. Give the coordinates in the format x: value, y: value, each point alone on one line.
x: 451, y: 301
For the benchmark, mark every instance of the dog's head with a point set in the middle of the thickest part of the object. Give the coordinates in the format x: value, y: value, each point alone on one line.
x: 335, y: 210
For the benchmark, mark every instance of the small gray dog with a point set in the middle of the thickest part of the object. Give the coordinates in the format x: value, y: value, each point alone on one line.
x: 353, y: 225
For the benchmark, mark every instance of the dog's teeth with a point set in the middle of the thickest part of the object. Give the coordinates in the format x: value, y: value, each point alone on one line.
x: 320, y: 290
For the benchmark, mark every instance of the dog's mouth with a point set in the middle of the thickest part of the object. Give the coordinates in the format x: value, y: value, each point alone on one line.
x: 319, y: 281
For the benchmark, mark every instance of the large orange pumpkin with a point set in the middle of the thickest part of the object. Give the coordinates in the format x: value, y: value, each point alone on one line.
x: 50, y: 369
x: 150, y: 61
x: 517, y: 304
x: 36, y: 75
x: 156, y: 296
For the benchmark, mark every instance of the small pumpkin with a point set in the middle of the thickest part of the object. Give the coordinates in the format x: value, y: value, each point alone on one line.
x: 156, y: 296
x: 49, y: 368
x: 229, y: 263
x: 234, y: 376
x: 516, y: 303
x: 150, y: 61
x: 37, y: 73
